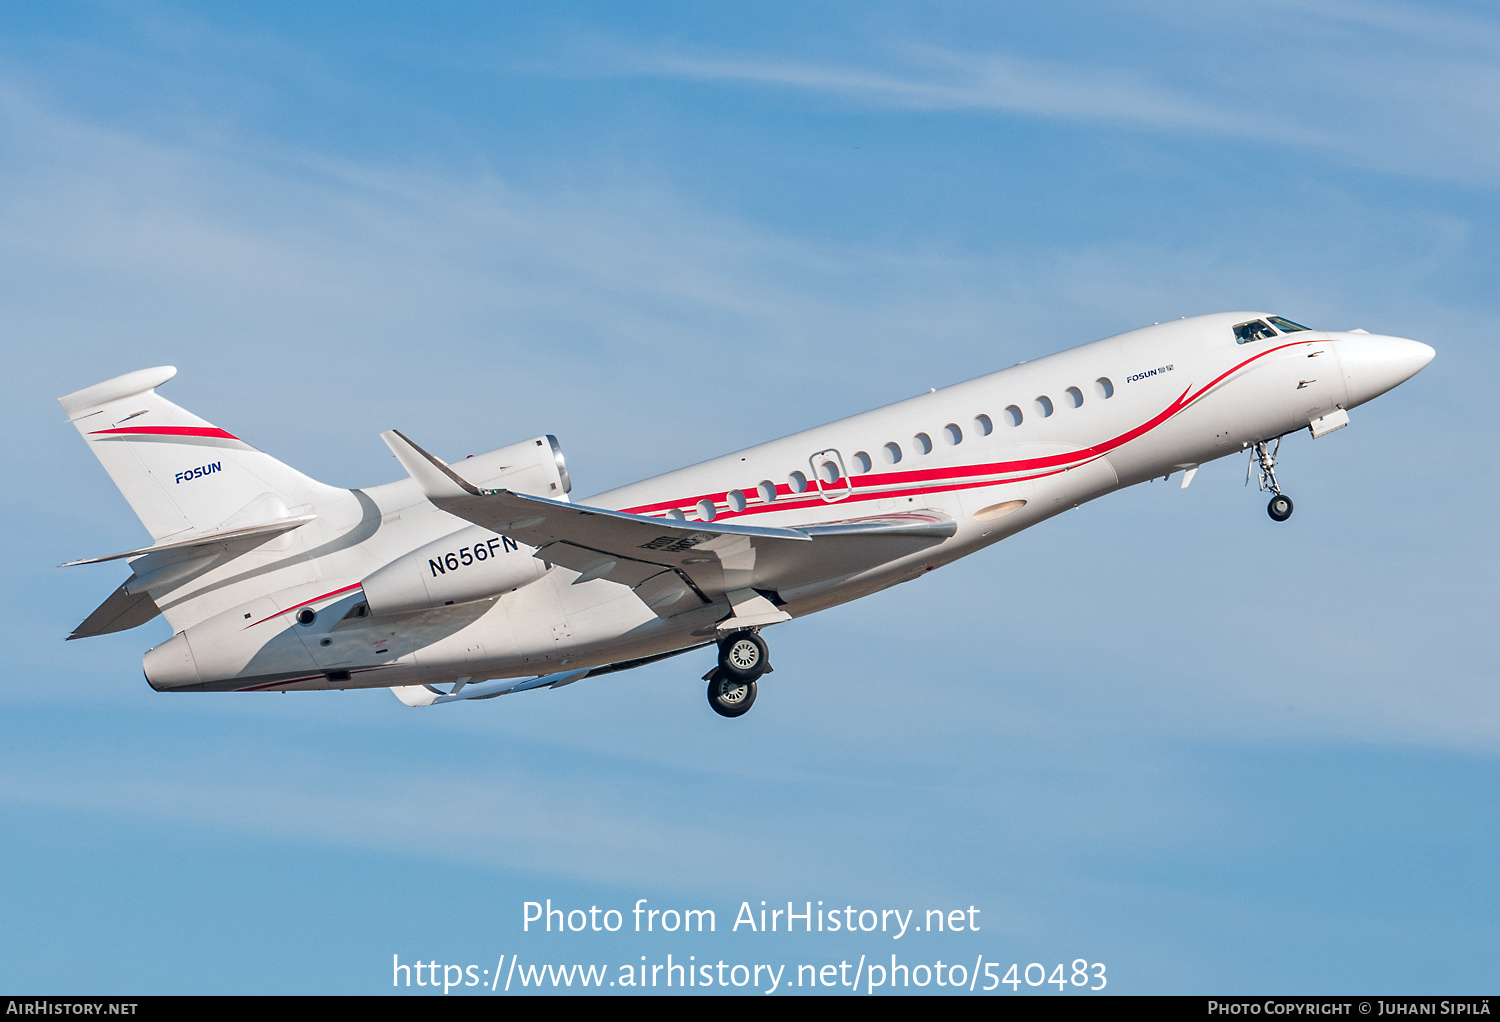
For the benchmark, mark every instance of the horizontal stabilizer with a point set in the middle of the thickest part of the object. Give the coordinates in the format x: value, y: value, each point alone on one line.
x: 123, y: 610
x: 249, y: 536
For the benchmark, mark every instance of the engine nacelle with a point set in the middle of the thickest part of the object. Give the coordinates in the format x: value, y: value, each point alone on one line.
x: 462, y: 567
x: 534, y: 466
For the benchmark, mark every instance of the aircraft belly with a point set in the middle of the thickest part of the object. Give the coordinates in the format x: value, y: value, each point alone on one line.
x: 544, y: 636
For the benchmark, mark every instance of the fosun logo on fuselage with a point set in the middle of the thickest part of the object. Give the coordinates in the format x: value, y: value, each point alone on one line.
x: 1148, y: 373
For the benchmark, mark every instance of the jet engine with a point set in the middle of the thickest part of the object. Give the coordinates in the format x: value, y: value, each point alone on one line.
x: 462, y: 567
x: 534, y: 466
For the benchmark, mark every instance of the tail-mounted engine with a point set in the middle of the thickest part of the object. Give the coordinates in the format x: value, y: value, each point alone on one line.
x: 534, y: 466
x: 462, y: 567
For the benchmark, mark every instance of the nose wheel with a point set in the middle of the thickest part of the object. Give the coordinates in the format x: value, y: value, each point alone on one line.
x: 1263, y: 457
x: 743, y: 658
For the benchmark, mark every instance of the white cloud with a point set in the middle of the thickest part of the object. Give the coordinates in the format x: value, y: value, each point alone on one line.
x: 1389, y: 88
x: 969, y: 81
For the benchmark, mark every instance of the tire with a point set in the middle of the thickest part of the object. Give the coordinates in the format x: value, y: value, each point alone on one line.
x: 729, y: 697
x: 1280, y: 508
x: 743, y: 656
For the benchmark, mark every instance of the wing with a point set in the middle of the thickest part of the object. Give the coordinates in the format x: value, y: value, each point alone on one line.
x: 676, y: 566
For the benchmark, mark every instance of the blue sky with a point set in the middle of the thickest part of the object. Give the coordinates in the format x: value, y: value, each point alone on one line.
x: 1159, y: 732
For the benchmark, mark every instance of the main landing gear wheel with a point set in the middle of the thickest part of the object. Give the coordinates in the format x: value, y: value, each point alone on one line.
x: 730, y: 697
x: 743, y: 656
x: 1280, y: 508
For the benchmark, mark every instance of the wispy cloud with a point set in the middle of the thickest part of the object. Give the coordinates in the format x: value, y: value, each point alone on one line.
x: 942, y: 79
x: 1385, y: 87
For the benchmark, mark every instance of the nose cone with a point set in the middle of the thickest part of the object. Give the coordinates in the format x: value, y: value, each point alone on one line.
x: 171, y: 665
x: 1374, y: 364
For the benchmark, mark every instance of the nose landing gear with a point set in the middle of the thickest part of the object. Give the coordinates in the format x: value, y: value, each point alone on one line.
x: 1264, y: 457
x: 743, y: 658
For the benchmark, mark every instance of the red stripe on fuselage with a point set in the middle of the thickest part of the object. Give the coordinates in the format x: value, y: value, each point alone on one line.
x: 1054, y: 461
x: 304, y: 603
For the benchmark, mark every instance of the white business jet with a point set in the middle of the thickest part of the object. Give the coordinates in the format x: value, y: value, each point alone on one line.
x: 480, y: 578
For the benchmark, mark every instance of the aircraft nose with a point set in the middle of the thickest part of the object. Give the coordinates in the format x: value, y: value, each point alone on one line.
x: 1374, y: 364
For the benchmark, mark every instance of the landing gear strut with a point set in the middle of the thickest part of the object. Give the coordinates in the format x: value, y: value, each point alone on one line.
x: 1280, y: 507
x: 743, y: 657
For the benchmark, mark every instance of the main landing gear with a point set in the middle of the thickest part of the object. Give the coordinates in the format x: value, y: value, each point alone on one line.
x: 1280, y: 507
x: 743, y: 657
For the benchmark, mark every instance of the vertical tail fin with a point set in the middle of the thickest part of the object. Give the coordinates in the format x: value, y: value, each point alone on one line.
x: 181, y: 474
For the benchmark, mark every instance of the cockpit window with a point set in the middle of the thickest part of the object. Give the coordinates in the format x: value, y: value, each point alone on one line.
x: 1286, y: 326
x: 1255, y: 330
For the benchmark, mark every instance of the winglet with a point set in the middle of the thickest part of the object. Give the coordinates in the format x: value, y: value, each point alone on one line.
x: 436, y: 479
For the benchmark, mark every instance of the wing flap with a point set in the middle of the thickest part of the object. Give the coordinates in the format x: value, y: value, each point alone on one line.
x: 591, y: 564
x: 670, y: 593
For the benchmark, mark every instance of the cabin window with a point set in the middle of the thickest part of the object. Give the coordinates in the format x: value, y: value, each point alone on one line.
x: 1075, y: 397
x: 1013, y: 414
x: 705, y: 509
x: 736, y: 499
x: 862, y: 462
x: 923, y: 443
x: 984, y: 425
x: 891, y: 453
x: 767, y: 491
x: 829, y: 472
x: 1044, y: 405
x: 1104, y: 387
x: 953, y: 434
x: 1255, y: 330
x: 676, y: 515
x: 798, y: 482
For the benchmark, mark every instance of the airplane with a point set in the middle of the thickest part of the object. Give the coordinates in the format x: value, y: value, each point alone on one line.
x: 482, y: 577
